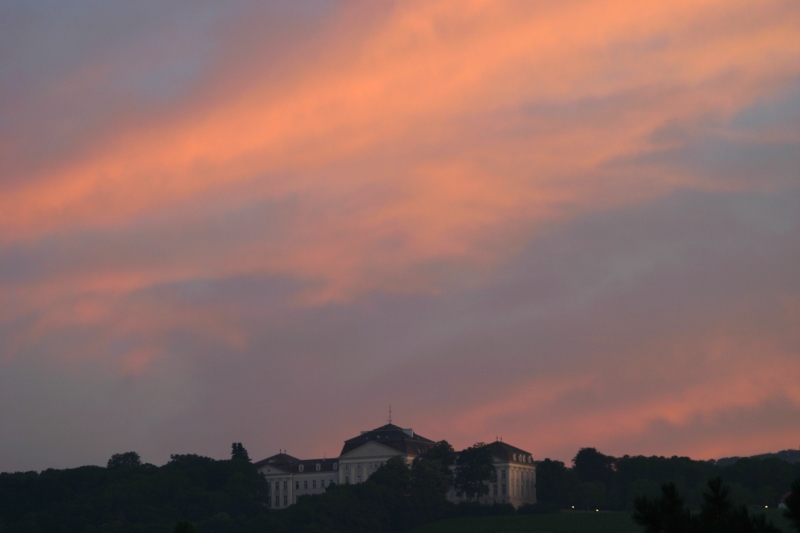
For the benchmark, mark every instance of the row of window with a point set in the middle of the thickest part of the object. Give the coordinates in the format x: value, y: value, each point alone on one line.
x: 366, y: 465
x: 313, y: 484
x: 305, y: 485
x: 318, y: 467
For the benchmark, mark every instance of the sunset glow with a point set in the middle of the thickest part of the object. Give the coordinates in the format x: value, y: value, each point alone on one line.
x: 569, y: 224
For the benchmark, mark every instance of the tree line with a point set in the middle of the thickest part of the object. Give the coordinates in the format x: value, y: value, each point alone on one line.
x: 198, y: 494
x: 595, y: 480
x: 195, y: 494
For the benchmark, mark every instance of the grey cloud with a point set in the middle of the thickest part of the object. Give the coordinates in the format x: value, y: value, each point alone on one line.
x: 627, y: 296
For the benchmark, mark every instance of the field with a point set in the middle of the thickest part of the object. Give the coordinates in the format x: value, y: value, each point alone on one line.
x: 565, y: 522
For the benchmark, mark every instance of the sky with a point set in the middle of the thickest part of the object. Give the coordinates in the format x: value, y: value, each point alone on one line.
x: 564, y: 224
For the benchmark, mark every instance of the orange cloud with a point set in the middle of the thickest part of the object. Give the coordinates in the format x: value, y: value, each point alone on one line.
x: 395, y: 153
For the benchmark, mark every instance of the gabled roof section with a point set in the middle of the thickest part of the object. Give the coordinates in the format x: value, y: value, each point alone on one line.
x: 283, y: 461
x: 310, y: 465
x: 395, y: 437
x: 512, y: 454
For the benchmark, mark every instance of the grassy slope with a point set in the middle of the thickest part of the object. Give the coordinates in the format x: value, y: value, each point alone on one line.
x: 565, y: 522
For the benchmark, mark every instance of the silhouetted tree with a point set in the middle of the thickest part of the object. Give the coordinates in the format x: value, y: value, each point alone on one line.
x: 666, y: 514
x: 717, y: 502
x: 184, y: 527
x: 238, y: 453
x: 124, y: 460
x: 591, y: 465
x: 719, y: 513
x: 792, y: 512
x: 431, y: 479
x: 474, y: 469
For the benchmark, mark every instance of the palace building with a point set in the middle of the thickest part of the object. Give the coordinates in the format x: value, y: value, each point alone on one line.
x: 290, y: 477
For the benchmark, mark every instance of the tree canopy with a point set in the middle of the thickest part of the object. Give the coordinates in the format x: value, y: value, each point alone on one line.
x: 238, y: 453
x: 124, y: 460
x: 474, y: 470
x: 719, y: 513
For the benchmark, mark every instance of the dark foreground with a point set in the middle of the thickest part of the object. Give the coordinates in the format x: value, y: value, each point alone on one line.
x: 564, y: 522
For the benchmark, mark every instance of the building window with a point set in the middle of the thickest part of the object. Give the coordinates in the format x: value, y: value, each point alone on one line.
x: 285, y: 486
x: 347, y: 467
x: 359, y: 479
x: 347, y: 479
x: 318, y: 467
x: 504, y: 489
x: 277, y: 486
x: 300, y: 468
x: 314, y: 484
x: 296, y: 485
x: 277, y: 501
x: 305, y: 484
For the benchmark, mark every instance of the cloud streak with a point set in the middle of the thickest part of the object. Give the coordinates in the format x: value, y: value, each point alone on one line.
x: 573, y: 224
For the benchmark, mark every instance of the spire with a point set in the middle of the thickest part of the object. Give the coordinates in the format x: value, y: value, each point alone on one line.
x: 390, y: 413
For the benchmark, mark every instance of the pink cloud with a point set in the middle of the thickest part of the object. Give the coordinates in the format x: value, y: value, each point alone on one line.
x: 361, y: 159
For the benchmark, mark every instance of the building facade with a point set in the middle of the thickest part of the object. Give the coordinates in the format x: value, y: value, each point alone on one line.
x: 289, y: 477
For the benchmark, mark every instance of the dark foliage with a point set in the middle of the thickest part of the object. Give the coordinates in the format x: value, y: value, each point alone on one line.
x: 792, y: 512
x: 475, y: 509
x: 230, y: 496
x: 555, y: 483
x: 123, y: 497
x: 184, y: 527
x: 124, y: 460
x: 474, y: 470
x: 539, y: 508
x: 719, y: 513
x: 612, y: 483
x: 591, y: 465
x: 238, y: 453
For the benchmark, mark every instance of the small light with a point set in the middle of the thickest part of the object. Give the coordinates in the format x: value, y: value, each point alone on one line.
x: 597, y: 510
x: 766, y: 507
x: 573, y: 507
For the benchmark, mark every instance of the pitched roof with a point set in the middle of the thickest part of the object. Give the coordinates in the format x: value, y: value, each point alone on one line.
x: 395, y: 437
x: 310, y: 465
x: 512, y: 454
x: 508, y: 454
x: 281, y: 460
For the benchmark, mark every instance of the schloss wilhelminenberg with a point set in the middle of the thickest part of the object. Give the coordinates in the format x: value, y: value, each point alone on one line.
x: 290, y: 477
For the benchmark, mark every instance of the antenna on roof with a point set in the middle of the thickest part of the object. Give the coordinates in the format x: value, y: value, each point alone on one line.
x: 390, y: 413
